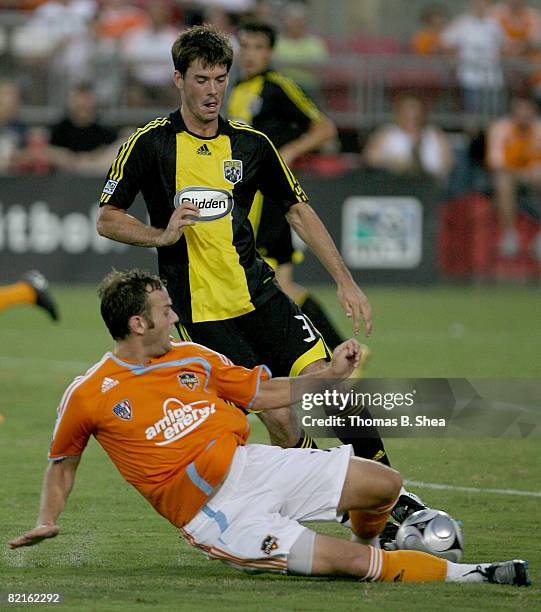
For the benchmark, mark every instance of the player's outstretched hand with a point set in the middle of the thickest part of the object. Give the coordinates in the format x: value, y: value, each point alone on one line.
x: 186, y: 214
x: 35, y: 536
x: 356, y: 305
x: 346, y: 358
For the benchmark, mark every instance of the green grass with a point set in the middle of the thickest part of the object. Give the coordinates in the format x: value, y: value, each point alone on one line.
x: 115, y: 552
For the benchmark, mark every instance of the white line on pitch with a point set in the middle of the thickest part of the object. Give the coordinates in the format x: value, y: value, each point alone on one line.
x: 435, y: 485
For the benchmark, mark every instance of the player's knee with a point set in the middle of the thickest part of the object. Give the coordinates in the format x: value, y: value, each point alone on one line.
x: 393, y: 484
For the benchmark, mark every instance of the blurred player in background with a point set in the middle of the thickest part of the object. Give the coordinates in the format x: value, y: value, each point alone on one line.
x: 224, y: 293
x: 33, y: 288
x: 162, y: 412
x: 277, y: 106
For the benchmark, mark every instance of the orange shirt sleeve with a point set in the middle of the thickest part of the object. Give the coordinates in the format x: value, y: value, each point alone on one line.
x: 234, y: 383
x: 74, y: 425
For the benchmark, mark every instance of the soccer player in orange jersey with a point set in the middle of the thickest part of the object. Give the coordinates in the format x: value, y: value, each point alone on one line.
x: 160, y: 410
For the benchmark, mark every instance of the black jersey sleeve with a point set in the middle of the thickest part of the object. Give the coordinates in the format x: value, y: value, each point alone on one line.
x: 294, y: 104
x: 276, y: 181
x: 129, y: 170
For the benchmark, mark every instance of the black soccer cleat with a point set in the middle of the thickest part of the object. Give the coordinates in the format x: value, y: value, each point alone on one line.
x: 513, y: 572
x: 387, y: 538
x: 407, y: 504
x: 44, y: 299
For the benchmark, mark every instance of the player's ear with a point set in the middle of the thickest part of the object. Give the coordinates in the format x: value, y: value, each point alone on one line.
x: 137, y: 325
x: 178, y: 79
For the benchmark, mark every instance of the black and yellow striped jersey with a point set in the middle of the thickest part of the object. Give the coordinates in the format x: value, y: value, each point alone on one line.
x: 274, y: 104
x: 213, y: 272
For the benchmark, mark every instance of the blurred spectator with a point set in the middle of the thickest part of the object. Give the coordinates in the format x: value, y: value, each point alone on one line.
x: 514, y: 157
x: 521, y: 24
x: 298, y: 53
x: 147, y: 54
x: 79, y: 137
x: 118, y: 17
x: 478, y: 41
x: 427, y: 41
x: 13, y: 132
x: 410, y: 145
x: 54, y: 39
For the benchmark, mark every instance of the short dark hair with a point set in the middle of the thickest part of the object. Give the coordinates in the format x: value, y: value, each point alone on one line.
x: 259, y: 27
x: 124, y: 295
x: 204, y: 43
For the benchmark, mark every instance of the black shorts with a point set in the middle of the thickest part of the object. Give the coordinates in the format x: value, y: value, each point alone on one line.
x: 276, y: 334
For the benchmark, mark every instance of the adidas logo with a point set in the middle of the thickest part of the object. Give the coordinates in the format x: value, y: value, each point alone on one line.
x: 203, y: 150
x: 108, y: 384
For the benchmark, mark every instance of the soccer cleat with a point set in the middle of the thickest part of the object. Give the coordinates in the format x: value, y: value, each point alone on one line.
x: 43, y: 297
x: 506, y: 572
x: 387, y: 538
x: 407, y: 504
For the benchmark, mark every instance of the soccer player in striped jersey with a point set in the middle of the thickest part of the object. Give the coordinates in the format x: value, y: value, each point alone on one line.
x: 161, y: 411
x: 199, y: 176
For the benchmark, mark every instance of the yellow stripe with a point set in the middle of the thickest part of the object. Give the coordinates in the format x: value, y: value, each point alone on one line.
x: 131, y: 139
x: 184, y: 333
x: 117, y: 169
x: 242, y: 96
x: 256, y: 210
x: 296, y: 95
x: 316, y: 352
x: 293, y: 183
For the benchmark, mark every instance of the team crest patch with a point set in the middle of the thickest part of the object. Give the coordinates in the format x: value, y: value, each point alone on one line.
x: 123, y: 410
x: 233, y: 170
x: 110, y: 187
x: 269, y: 544
x: 188, y: 379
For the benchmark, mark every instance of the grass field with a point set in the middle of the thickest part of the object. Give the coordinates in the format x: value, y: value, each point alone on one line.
x: 115, y: 552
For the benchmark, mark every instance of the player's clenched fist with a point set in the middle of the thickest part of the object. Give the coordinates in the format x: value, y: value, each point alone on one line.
x: 346, y: 358
x: 186, y: 214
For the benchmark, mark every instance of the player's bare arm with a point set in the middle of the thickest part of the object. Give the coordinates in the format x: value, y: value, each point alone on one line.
x: 57, y: 484
x: 319, y: 132
x: 116, y: 224
x: 309, y: 227
x: 278, y: 392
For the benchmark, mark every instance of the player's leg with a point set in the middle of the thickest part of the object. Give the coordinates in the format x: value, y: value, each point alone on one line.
x: 33, y: 288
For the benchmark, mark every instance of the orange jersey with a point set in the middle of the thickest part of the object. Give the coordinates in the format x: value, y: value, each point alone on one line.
x: 165, y: 425
x: 512, y: 148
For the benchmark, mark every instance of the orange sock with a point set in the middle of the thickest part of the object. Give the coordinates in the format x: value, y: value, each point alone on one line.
x: 367, y: 525
x: 19, y: 293
x: 405, y: 566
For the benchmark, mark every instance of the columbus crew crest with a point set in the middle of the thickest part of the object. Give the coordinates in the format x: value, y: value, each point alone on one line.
x: 189, y: 380
x: 233, y: 170
x: 269, y: 544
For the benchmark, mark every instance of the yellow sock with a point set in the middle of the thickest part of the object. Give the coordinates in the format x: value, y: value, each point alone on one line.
x: 405, y: 566
x: 19, y: 293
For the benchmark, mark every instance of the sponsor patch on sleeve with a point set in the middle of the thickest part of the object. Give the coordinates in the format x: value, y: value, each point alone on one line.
x: 110, y: 187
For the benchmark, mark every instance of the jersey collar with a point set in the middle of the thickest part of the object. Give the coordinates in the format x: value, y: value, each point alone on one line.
x: 178, y: 125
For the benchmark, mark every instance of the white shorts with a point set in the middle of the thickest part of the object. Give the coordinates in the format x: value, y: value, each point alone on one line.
x: 254, y: 519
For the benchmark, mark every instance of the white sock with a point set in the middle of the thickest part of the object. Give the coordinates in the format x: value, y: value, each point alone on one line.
x: 465, y: 572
